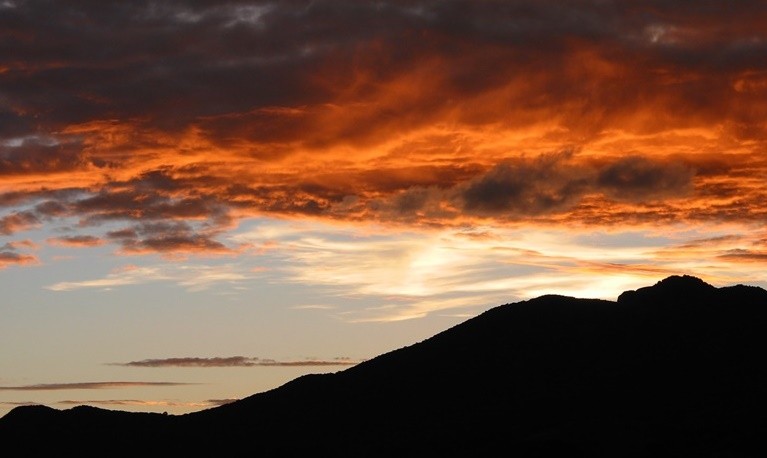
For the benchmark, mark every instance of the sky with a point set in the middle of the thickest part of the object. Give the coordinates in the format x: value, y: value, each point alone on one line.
x: 200, y: 200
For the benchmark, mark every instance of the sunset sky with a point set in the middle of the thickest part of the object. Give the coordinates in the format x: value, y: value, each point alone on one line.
x: 203, y: 200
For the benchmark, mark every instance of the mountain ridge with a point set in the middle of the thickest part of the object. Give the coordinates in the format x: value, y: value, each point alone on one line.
x: 668, y: 368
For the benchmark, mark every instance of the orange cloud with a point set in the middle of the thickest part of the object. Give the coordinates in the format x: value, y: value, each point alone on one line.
x: 427, y: 114
x: 76, y: 241
x: 18, y: 221
x: 743, y: 255
x: 9, y: 254
x: 10, y: 258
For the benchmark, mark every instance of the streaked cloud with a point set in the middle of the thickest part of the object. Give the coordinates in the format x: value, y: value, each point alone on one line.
x: 236, y: 361
x: 196, y: 277
x: 122, y: 403
x: 445, y: 271
x: 712, y: 241
x: 19, y: 403
x: 143, y: 403
x: 744, y: 255
x: 76, y: 241
x: 88, y: 386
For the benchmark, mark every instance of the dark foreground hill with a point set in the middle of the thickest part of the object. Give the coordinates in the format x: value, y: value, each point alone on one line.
x: 674, y: 369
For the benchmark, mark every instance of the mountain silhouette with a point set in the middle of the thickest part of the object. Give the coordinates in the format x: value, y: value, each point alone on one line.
x: 673, y: 369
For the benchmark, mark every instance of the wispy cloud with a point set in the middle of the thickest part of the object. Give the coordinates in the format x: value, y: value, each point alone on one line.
x: 743, y: 255
x: 140, y: 403
x: 76, y: 241
x: 193, y: 277
x: 147, y: 403
x: 88, y: 386
x: 237, y: 361
x: 18, y: 403
x: 412, y: 274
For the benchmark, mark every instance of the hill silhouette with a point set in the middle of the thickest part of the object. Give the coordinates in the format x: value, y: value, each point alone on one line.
x: 673, y: 369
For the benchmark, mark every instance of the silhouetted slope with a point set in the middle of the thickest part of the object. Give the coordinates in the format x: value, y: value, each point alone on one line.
x: 675, y: 368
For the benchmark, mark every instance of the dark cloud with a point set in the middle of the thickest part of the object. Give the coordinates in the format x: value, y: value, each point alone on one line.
x: 220, y: 402
x: 744, y: 255
x: 14, y: 245
x: 76, y: 241
x: 235, y: 361
x: 177, y: 63
x: 531, y: 187
x: 554, y: 183
x: 168, y: 237
x: 21, y: 403
x: 11, y: 258
x: 48, y: 201
x: 136, y: 402
x: 232, y: 361
x: 13, y: 198
x: 10, y: 255
x: 415, y: 199
x: 638, y: 178
x: 711, y: 241
x: 52, y: 208
x: 194, y: 243
x: 38, y: 155
x: 139, y: 205
x: 123, y: 234
x: 17, y: 221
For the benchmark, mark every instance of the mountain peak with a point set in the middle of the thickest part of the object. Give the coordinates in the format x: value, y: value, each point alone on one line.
x: 673, y: 288
x: 683, y: 282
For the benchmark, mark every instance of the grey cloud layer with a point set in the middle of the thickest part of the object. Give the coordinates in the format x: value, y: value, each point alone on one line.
x: 553, y: 184
x: 174, y: 63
